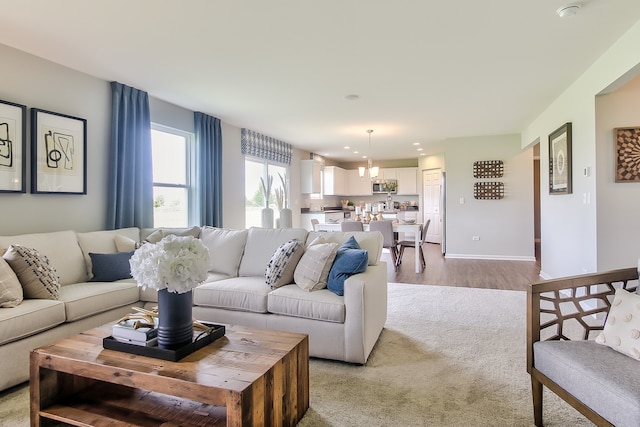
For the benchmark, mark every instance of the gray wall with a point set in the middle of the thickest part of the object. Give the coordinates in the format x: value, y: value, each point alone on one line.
x: 505, y: 226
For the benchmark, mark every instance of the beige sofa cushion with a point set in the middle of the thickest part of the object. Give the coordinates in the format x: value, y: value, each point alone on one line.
x: 237, y: 293
x: 86, y: 299
x: 29, y: 318
x: 226, y: 247
x: 154, y: 235
x: 261, y: 244
x: 62, y: 249
x: 10, y: 287
x: 323, y: 304
x: 103, y: 242
x: 369, y: 241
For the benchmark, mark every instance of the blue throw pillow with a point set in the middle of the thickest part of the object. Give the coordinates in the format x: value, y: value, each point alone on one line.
x: 350, y: 260
x: 110, y: 267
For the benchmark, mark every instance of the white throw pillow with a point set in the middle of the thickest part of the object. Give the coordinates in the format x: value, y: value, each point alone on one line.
x: 313, y: 269
x: 283, y: 264
x: 622, y: 328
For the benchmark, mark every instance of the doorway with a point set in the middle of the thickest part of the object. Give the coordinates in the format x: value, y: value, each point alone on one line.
x: 432, y: 180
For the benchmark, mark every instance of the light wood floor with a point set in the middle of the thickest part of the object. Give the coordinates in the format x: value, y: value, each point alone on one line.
x: 507, y: 275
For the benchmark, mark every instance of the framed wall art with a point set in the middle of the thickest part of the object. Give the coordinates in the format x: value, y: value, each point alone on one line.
x: 627, y: 154
x: 560, y: 160
x: 13, y: 154
x: 58, y: 153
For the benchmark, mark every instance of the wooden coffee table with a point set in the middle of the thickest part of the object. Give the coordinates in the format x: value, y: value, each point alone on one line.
x: 249, y: 377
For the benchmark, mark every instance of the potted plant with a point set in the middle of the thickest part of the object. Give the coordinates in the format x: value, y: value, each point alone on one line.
x: 267, y: 212
x: 283, y: 205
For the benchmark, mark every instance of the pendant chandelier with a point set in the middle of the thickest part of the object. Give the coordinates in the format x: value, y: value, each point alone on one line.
x: 373, y: 170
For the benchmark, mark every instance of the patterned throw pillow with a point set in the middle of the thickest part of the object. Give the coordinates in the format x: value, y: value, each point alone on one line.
x: 10, y: 288
x: 312, y: 271
x: 38, y: 278
x: 283, y: 263
x: 622, y: 328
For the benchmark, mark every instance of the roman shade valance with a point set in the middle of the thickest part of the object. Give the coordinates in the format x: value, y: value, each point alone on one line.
x: 264, y: 147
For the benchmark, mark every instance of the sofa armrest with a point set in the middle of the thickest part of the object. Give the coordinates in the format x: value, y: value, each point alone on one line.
x: 365, y: 300
x: 572, y: 307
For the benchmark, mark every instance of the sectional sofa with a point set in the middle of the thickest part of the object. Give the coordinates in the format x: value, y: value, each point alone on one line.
x: 343, y: 328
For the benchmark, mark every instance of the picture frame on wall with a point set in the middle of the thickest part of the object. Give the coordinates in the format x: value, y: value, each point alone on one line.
x: 13, y: 144
x: 627, y: 142
x: 560, y: 160
x: 58, y: 153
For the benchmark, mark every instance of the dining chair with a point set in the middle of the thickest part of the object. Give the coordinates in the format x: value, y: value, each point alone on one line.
x: 314, y: 222
x: 351, y: 226
x: 411, y: 244
x: 390, y: 242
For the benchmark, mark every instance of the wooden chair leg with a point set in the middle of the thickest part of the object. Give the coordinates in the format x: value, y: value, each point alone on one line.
x: 424, y: 262
x: 536, y: 391
x: 400, y: 254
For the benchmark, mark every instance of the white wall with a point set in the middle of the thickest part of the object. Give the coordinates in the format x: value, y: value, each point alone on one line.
x: 618, y: 207
x: 568, y: 222
x: 505, y: 226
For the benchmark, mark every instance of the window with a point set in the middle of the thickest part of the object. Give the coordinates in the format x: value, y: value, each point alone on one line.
x: 254, y: 197
x: 172, y: 177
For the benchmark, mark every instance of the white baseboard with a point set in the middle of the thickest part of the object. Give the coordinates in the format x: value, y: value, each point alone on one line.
x: 491, y: 257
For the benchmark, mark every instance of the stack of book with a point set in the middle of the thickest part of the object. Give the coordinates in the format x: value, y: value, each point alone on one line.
x: 126, y: 332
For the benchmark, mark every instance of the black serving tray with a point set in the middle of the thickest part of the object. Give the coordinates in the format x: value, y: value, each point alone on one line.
x: 217, y: 331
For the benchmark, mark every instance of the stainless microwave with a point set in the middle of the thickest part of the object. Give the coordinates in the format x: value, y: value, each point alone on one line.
x: 384, y: 186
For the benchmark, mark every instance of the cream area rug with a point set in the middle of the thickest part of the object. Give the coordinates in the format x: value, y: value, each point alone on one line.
x: 448, y: 356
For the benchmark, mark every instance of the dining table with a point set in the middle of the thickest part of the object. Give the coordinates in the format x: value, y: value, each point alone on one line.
x: 398, y: 227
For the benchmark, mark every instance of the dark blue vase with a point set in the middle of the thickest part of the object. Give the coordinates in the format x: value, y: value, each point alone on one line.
x: 175, y: 319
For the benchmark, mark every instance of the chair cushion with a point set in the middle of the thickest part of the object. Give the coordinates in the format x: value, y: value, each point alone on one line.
x: 86, y: 299
x: 37, y: 277
x: 603, y: 379
x: 236, y: 293
x: 292, y: 301
x: 225, y: 248
x: 10, y: 288
x: 29, y: 318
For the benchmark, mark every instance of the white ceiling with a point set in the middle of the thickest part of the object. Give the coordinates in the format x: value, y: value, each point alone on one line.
x: 425, y: 70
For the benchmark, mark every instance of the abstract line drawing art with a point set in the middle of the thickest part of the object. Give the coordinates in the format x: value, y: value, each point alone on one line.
x: 6, y: 145
x: 12, y: 147
x: 60, y: 150
x: 59, y: 160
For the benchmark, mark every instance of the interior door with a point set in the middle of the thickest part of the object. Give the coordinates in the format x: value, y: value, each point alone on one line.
x: 432, y: 188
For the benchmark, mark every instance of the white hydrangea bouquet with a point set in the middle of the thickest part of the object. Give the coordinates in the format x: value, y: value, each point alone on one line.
x: 175, y: 263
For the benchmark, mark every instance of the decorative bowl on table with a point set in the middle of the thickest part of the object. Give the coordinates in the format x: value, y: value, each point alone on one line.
x: 409, y: 221
x: 332, y: 221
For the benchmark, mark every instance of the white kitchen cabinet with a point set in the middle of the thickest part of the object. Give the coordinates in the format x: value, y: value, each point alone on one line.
x: 388, y: 173
x: 335, y: 181
x: 310, y: 175
x: 357, y: 186
x: 407, y: 180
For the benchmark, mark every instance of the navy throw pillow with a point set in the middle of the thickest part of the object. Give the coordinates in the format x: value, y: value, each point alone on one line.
x: 110, y: 267
x: 350, y: 260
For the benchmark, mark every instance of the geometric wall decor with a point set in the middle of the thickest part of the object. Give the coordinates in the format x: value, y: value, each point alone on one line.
x: 488, y: 169
x: 490, y: 190
x: 627, y: 154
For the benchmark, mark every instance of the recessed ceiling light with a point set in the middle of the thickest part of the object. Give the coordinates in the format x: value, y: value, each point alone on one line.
x: 352, y: 97
x: 568, y: 10
x: 423, y: 154
x: 416, y: 143
x: 355, y: 152
x: 419, y: 149
x: 346, y: 147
